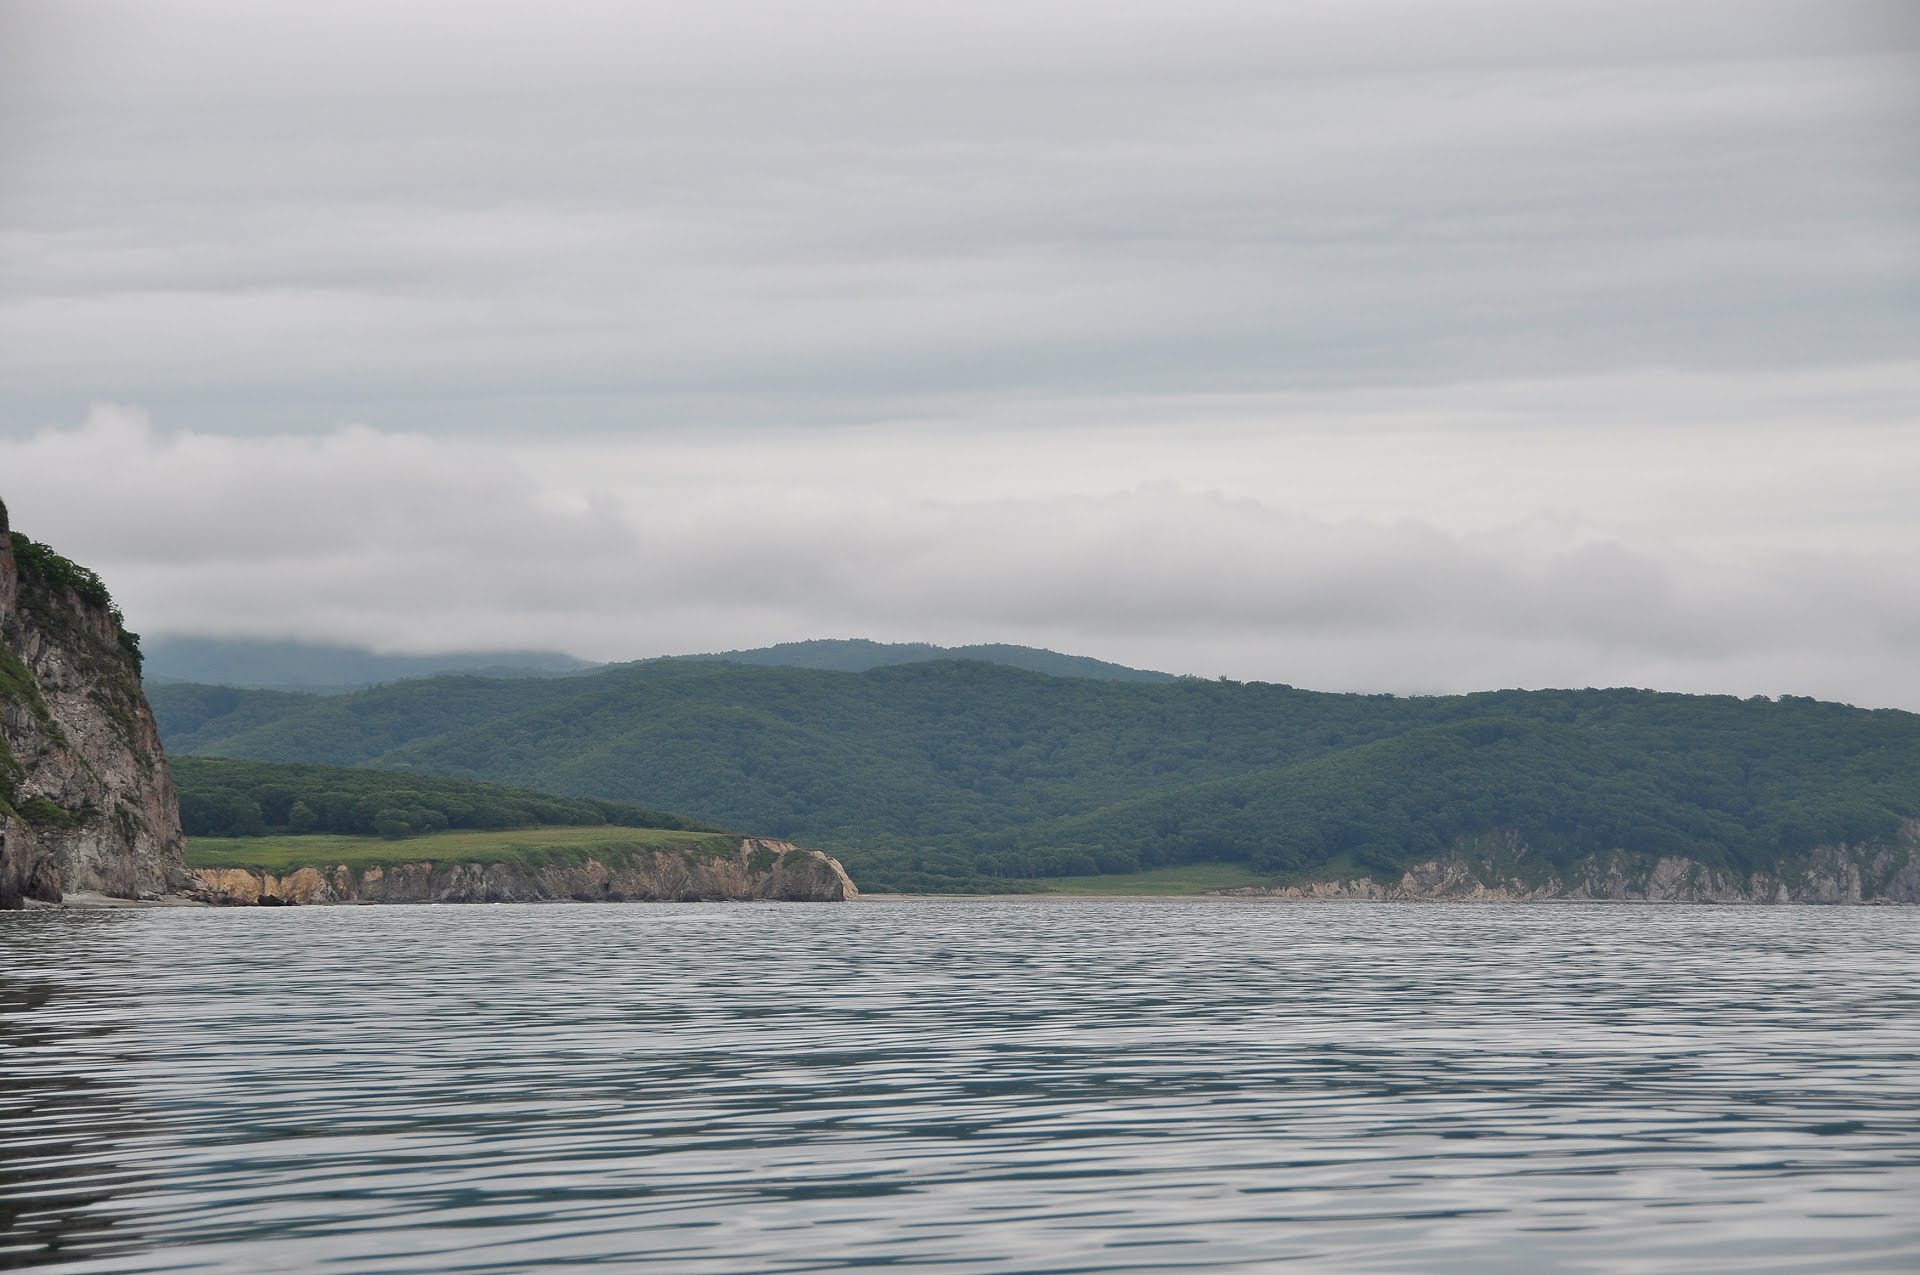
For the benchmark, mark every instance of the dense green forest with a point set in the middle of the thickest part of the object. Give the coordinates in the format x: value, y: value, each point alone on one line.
x: 225, y: 798
x: 937, y: 773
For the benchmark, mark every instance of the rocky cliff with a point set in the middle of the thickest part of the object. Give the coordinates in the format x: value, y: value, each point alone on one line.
x: 760, y: 869
x: 1503, y: 870
x: 85, y: 801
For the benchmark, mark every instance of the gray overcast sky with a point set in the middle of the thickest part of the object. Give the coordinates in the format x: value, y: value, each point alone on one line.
x: 1360, y: 345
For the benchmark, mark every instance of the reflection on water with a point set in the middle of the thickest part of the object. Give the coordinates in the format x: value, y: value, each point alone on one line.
x: 966, y: 1085
x: 67, y: 1108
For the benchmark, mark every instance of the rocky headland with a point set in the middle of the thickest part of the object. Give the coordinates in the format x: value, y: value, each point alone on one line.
x: 759, y: 869
x: 1506, y: 871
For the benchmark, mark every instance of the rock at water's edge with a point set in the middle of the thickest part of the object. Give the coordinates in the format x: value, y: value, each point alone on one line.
x: 758, y: 869
x: 1829, y: 874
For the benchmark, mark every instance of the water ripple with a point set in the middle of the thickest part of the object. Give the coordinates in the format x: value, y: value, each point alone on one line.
x: 961, y: 1086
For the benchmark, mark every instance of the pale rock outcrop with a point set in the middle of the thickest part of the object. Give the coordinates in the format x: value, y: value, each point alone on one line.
x: 1842, y: 874
x: 758, y: 869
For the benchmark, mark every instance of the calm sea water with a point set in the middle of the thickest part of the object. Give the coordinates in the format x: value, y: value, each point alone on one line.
x: 962, y: 1086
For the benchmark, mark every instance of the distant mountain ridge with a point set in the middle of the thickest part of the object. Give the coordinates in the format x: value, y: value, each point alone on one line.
x: 331, y: 668
x: 859, y: 655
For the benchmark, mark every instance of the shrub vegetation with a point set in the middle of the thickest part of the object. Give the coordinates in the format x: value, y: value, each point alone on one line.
x: 40, y: 562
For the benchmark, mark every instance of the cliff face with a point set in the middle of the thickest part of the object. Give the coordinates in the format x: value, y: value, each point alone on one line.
x: 1888, y: 873
x: 760, y: 869
x: 85, y: 801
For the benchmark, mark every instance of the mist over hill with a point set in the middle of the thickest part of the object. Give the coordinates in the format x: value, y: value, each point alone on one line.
x: 324, y: 666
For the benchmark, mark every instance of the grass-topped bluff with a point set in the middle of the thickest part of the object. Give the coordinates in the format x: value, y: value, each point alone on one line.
x: 270, y: 832
x: 278, y: 817
x: 525, y: 848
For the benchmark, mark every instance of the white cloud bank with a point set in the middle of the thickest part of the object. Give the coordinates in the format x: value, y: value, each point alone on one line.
x: 412, y: 542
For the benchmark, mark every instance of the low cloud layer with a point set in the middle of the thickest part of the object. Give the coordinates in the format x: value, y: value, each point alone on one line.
x: 416, y: 543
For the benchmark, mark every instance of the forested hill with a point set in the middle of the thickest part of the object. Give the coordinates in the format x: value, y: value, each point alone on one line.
x: 922, y: 772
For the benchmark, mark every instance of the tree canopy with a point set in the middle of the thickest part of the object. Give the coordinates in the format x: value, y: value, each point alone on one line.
x: 225, y: 798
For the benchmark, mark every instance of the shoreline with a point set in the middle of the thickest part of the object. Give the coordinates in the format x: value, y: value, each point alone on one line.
x: 94, y: 902
x: 90, y: 901
x: 1436, y: 900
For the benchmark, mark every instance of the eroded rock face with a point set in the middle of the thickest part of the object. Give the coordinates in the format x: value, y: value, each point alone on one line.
x: 85, y: 799
x: 759, y: 869
x: 1830, y: 874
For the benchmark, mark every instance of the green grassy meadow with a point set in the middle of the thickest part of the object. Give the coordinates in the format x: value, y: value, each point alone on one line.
x: 1197, y: 878
x: 526, y: 847
x: 1177, y: 879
